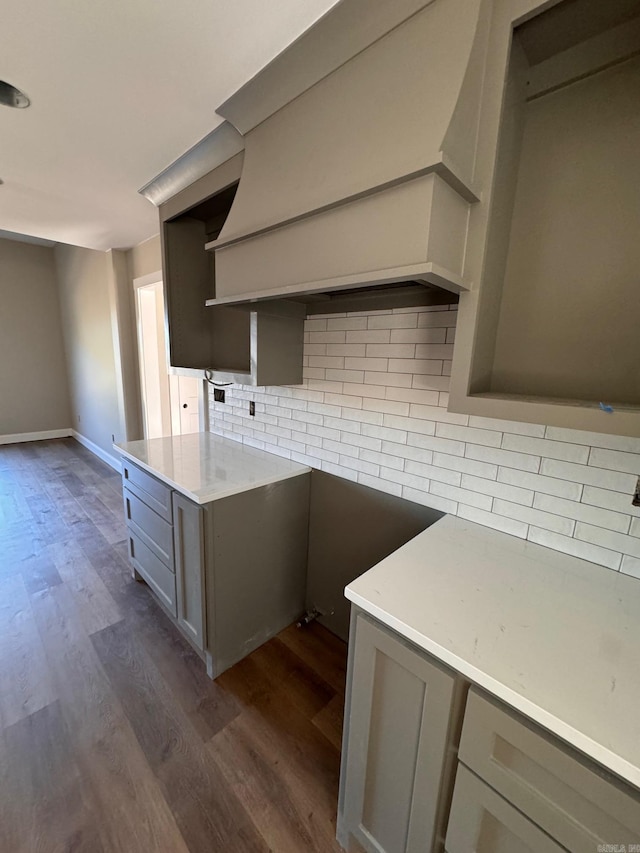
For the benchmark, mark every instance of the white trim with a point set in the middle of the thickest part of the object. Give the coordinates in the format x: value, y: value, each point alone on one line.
x: 19, y: 437
x: 98, y: 451
x: 145, y: 280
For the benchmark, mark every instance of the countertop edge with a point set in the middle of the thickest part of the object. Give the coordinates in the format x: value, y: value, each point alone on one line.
x: 206, y: 498
x: 584, y: 744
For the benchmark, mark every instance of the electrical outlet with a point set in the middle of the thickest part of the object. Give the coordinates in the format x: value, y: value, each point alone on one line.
x: 635, y: 500
x: 218, y: 395
x: 252, y: 408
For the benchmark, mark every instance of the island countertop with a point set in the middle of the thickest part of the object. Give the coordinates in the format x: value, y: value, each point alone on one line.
x: 553, y: 636
x: 206, y: 467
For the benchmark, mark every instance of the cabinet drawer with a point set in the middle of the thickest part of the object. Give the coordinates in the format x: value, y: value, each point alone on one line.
x: 573, y: 800
x: 481, y: 821
x: 155, y: 532
x: 156, y: 574
x: 149, y: 489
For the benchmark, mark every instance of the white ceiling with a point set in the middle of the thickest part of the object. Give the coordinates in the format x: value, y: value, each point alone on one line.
x: 119, y: 90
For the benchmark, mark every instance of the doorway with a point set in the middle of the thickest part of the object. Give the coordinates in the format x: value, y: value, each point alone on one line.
x: 172, y: 404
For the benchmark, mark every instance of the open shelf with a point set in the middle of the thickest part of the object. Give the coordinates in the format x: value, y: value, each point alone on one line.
x: 559, y: 304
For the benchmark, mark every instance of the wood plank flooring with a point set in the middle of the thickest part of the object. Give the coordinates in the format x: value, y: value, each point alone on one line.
x: 112, y: 738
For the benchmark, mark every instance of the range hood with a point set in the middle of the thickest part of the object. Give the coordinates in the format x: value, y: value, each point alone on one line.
x: 359, y: 152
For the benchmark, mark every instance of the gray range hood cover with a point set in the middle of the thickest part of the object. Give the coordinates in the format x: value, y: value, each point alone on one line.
x: 365, y: 174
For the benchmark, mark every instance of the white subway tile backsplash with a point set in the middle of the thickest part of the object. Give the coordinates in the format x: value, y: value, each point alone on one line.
x: 583, y: 550
x: 345, y: 375
x: 432, y: 472
x: 508, y: 458
x: 404, y: 451
x: 370, y: 336
x: 466, y: 466
x: 398, y: 436
x: 385, y: 407
x: 402, y: 380
x: 346, y: 323
x: 608, y: 539
x: 514, y: 427
x: 363, y: 416
x: 434, y: 351
x: 498, y: 490
x: 420, y: 397
x: 379, y: 392
x: 463, y: 496
x: 391, y: 350
x: 630, y: 566
x: 383, y: 459
x: 615, y: 460
x: 430, y: 382
x: 490, y: 519
x: 392, y: 321
x: 539, y: 483
x: 411, y: 424
x: 583, y: 512
x: 440, y: 318
x: 588, y: 475
x: 617, y: 501
x: 369, y: 411
x: 536, y: 517
x: 436, y: 413
x: 443, y: 445
x: 595, y: 439
x: 327, y: 338
x: 351, y: 350
x: 412, y: 481
x: 433, y: 501
x: 415, y: 365
x: 543, y: 447
x: 419, y: 336
x: 470, y: 434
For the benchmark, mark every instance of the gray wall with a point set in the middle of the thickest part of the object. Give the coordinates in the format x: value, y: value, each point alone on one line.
x: 34, y: 392
x: 85, y: 280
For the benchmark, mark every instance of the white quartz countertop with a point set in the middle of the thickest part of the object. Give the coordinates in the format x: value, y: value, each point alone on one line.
x: 553, y: 636
x: 205, y: 467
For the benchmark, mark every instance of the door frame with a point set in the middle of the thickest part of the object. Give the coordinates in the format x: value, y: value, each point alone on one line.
x: 203, y: 420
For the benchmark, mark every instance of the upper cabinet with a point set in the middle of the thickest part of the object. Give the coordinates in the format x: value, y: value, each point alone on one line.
x: 260, y: 346
x: 549, y: 335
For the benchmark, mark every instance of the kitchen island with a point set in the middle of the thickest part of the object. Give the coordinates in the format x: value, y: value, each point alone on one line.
x: 522, y: 667
x: 219, y: 532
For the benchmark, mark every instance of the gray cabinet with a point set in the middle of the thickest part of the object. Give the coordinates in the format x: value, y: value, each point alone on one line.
x: 411, y: 725
x: 188, y: 536
x: 482, y: 821
x: 250, y: 345
x: 577, y: 804
x: 401, y: 725
x: 232, y: 572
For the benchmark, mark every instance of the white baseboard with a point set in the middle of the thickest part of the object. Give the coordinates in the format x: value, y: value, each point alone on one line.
x: 19, y: 437
x: 98, y: 451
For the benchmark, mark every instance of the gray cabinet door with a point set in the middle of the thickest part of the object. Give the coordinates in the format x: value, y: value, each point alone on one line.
x: 483, y: 822
x: 400, y: 729
x: 188, y: 534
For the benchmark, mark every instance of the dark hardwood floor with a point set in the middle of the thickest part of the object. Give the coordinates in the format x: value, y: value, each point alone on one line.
x: 112, y: 738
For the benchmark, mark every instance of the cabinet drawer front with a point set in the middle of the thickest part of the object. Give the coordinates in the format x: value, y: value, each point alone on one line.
x: 574, y: 801
x: 155, y: 532
x: 156, y: 574
x: 481, y: 821
x: 152, y: 491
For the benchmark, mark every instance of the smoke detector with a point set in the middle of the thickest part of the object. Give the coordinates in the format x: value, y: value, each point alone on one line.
x: 12, y: 97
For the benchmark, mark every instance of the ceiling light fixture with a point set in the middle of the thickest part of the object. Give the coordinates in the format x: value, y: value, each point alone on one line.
x: 12, y: 97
